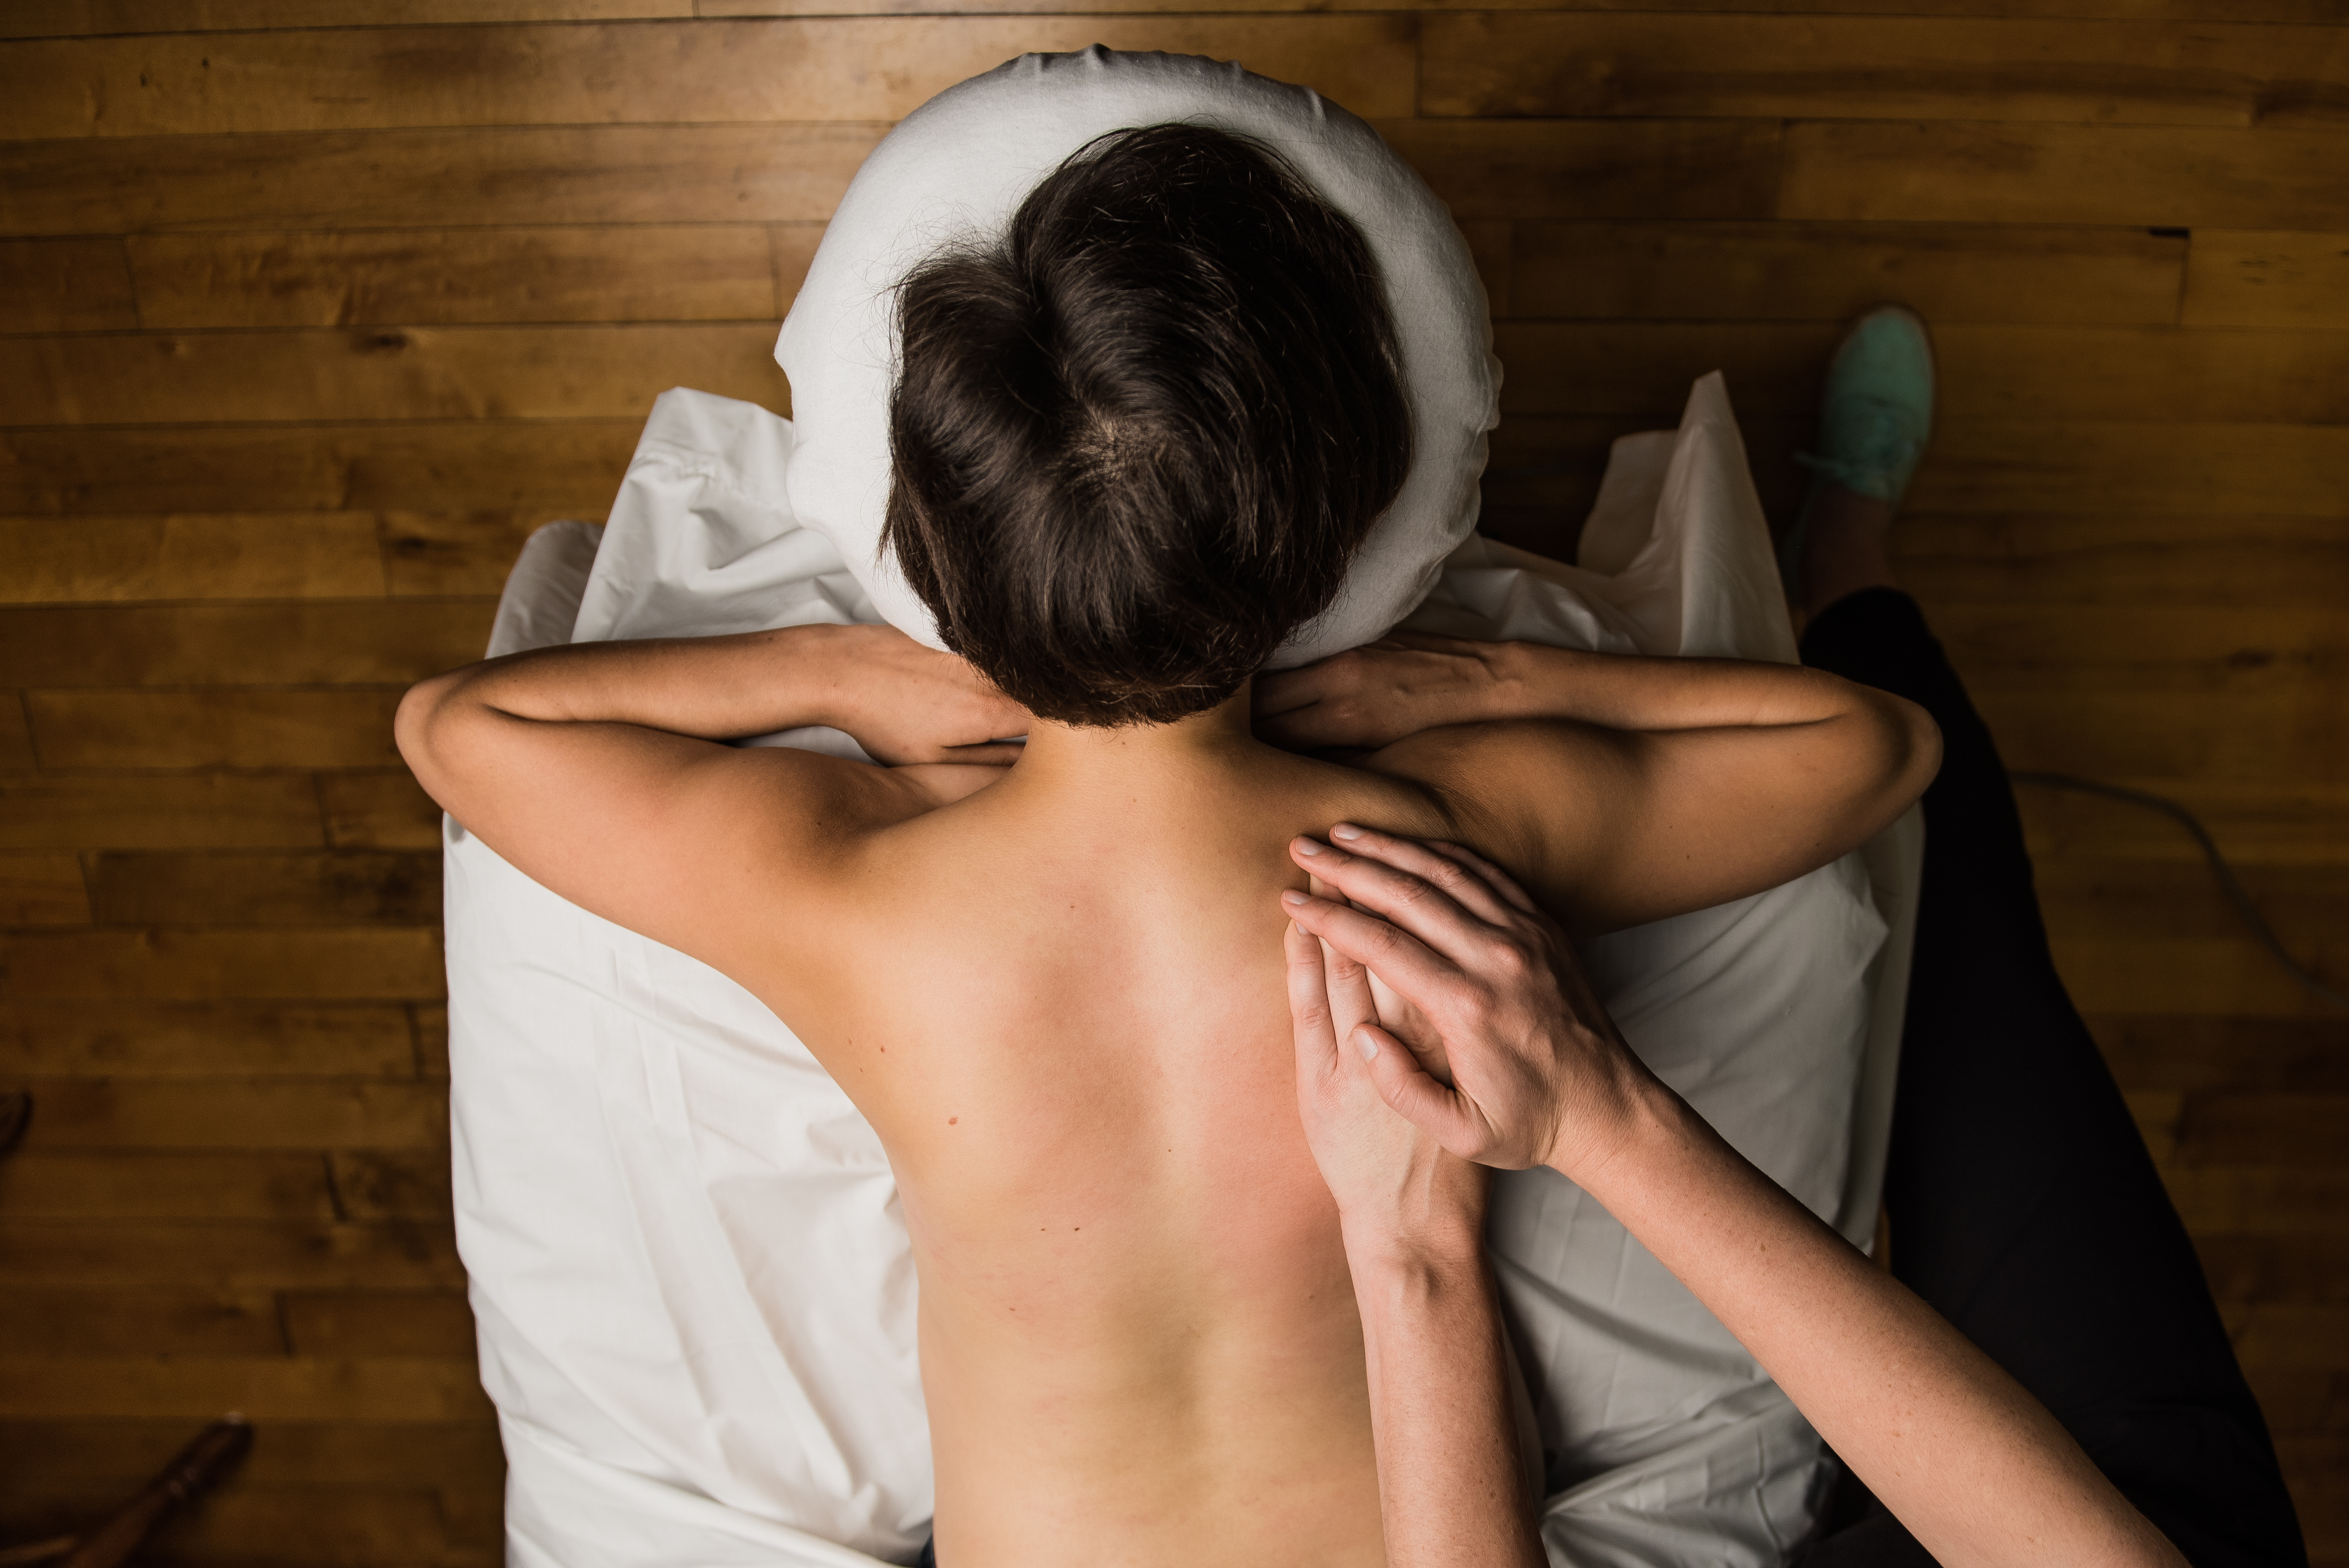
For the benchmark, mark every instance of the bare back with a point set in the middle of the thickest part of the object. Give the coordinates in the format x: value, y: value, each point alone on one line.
x: 1057, y: 995
x: 1061, y: 1009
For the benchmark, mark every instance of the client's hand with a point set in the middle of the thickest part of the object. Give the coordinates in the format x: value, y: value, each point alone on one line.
x: 905, y: 703
x: 1539, y: 1074
x: 1374, y: 696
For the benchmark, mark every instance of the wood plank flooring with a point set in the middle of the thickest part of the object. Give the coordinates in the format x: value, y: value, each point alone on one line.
x: 310, y: 309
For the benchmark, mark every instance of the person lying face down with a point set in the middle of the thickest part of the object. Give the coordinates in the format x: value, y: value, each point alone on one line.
x: 1135, y: 447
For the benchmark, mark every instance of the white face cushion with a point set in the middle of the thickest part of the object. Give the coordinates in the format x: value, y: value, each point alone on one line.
x: 955, y: 170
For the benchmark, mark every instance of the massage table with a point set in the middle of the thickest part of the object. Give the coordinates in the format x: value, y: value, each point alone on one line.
x: 695, y: 1296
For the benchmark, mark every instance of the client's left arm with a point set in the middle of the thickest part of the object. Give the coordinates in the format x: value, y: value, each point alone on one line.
x: 600, y: 770
x: 1619, y: 789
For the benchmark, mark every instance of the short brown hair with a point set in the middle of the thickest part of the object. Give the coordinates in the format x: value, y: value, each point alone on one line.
x: 1135, y: 445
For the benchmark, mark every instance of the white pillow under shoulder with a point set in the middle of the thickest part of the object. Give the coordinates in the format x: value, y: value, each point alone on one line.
x: 955, y: 172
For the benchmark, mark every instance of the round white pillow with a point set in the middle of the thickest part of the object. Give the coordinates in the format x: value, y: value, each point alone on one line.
x: 955, y: 170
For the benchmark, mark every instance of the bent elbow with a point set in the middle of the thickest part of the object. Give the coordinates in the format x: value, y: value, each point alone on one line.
x: 416, y: 726
x: 1915, y: 753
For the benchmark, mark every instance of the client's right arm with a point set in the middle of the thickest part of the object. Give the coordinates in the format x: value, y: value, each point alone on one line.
x: 599, y: 769
x: 1619, y: 788
x: 1976, y: 1468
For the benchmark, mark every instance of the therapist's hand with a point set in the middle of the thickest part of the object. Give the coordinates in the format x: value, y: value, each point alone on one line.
x: 1539, y: 1075
x: 1396, y: 1187
x: 1374, y: 696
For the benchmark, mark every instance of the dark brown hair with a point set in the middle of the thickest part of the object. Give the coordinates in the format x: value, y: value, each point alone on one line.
x: 1134, y: 444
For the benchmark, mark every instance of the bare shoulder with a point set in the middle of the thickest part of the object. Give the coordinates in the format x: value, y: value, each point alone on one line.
x: 1483, y: 776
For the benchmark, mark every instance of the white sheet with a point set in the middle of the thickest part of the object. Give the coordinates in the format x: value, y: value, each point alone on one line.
x: 694, y: 1291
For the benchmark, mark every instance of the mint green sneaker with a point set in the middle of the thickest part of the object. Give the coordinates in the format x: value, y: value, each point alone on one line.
x: 1874, y: 420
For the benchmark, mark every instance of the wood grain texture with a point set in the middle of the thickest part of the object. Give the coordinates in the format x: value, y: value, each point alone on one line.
x: 2140, y: 467
x: 461, y: 552
x: 2248, y: 278
x: 382, y: 373
x: 433, y: 1324
x: 2164, y: 1051
x: 80, y: 1114
x: 2186, y: 177
x: 40, y: 19
x: 315, y: 642
x: 102, y: 1322
x: 1880, y: 69
x: 561, y: 467
x: 1832, y: 271
x: 17, y: 753
x: 65, y: 285
x: 322, y: 556
x: 340, y: 727
x: 42, y: 890
x: 146, y: 1185
x: 196, y: 810
x: 748, y: 71
x: 560, y: 175
x: 2248, y: 563
x: 344, y: 888
x: 378, y: 811
x: 702, y: 272
x: 378, y: 1183
x: 2260, y: 1198
x: 119, y: 1038
x: 284, y: 1454
x: 231, y: 1255
x: 1985, y: 372
x: 294, y: 963
x: 2119, y: 647
x: 414, y: 1389
x: 1594, y: 168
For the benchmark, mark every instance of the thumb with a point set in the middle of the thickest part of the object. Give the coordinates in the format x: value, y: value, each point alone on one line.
x: 1414, y: 1094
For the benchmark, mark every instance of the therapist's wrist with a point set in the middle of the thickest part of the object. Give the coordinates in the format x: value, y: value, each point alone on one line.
x: 1434, y: 1220
x: 1649, y: 1130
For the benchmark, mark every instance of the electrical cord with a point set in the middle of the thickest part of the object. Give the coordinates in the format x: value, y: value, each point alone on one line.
x: 2250, y: 912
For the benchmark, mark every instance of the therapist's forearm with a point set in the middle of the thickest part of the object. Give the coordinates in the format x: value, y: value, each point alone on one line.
x: 1450, y: 1489
x: 1976, y: 1468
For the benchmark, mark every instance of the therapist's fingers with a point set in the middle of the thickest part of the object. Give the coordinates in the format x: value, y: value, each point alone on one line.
x: 1464, y: 885
x: 1310, y: 1020
x: 1352, y: 998
x: 1415, y: 973
x: 1436, y: 1108
x: 1428, y: 912
x: 1500, y: 882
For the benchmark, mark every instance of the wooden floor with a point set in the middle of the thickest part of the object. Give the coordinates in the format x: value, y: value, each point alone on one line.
x: 312, y: 311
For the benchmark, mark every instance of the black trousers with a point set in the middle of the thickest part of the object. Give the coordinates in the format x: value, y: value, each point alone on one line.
x: 2023, y: 1204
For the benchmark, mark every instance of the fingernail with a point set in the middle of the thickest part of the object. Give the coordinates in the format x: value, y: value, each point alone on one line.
x: 1307, y: 847
x: 1366, y: 1043
x: 1345, y: 832
x: 1293, y: 898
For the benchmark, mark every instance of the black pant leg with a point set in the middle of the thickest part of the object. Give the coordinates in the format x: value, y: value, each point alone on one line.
x: 2024, y: 1206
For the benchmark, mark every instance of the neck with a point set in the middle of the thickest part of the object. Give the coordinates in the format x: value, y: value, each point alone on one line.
x: 1077, y: 756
